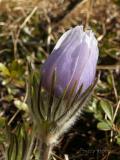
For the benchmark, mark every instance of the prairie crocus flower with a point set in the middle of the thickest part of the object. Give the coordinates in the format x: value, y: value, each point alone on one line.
x: 68, y: 75
x: 74, y: 59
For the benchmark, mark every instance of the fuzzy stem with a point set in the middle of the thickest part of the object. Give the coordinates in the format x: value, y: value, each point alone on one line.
x: 45, y: 151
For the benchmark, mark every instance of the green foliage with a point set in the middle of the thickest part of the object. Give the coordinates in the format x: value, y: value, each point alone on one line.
x: 105, y: 125
x: 108, y: 109
x: 2, y: 130
x: 21, y: 105
x: 18, y: 142
x: 4, y: 70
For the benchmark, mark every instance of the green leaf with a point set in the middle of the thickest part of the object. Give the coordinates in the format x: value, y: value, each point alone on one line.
x: 18, y: 143
x: 118, y: 140
x: 21, y: 105
x: 107, y: 108
x: 104, y: 125
x: 4, y: 70
x: 98, y: 115
x: 2, y: 122
x: 2, y: 130
x: 16, y: 69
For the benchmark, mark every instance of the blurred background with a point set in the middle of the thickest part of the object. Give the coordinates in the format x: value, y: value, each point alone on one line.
x: 30, y: 29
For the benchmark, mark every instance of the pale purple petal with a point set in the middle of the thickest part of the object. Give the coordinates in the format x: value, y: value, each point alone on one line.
x: 74, y: 58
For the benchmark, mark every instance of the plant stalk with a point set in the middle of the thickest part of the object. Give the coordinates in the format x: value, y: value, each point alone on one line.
x: 30, y: 149
x: 45, y: 151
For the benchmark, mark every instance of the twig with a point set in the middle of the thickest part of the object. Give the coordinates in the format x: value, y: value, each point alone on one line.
x: 13, y: 117
x: 103, y: 34
x: 108, y: 67
x: 114, y: 87
x: 16, y: 37
x: 57, y: 156
x: 90, y: 6
x: 28, y: 17
x: 66, y: 157
x: 118, y: 105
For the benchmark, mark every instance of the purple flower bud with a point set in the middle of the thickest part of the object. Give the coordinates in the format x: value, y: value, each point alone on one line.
x: 73, y: 59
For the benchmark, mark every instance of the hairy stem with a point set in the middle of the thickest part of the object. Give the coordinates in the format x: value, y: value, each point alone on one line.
x: 45, y: 151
